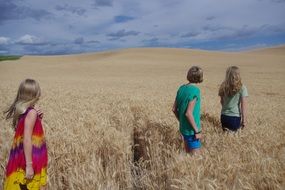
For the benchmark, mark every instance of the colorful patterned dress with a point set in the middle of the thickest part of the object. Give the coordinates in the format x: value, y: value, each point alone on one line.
x: 15, y: 170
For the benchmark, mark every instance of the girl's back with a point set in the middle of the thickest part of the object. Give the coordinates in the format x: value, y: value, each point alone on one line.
x: 15, y: 171
x: 233, y: 100
x: 27, y: 164
x: 231, y: 104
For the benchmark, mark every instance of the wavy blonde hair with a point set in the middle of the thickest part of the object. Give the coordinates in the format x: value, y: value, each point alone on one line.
x: 28, y: 94
x: 232, y: 83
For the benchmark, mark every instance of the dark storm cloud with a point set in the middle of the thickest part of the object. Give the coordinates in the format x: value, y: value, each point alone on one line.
x: 72, y: 9
x: 122, y: 33
x: 11, y: 11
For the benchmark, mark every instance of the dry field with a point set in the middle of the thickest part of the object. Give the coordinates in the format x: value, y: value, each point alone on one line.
x: 109, y: 125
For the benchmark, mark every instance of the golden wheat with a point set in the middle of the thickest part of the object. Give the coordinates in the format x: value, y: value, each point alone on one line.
x: 109, y: 124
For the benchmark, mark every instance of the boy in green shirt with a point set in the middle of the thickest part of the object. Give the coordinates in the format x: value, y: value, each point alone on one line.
x: 186, y: 108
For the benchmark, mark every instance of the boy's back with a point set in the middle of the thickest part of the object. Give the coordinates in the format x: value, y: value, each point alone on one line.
x: 185, y: 94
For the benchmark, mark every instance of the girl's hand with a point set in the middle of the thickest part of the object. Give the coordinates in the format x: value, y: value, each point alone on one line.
x: 198, y: 136
x: 29, y: 172
x: 39, y: 112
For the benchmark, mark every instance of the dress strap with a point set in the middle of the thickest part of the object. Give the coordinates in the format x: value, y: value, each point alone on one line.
x: 27, y: 110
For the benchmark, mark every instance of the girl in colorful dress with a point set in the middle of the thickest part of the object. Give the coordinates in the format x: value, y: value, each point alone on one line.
x: 27, y: 165
x: 233, y: 96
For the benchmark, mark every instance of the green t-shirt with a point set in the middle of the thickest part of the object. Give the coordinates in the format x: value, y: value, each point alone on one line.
x: 185, y: 94
x: 231, y: 104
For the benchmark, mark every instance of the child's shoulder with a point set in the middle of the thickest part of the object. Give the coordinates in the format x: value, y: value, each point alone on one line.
x: 189, y: 88
x: 31, y: 113
x: 181, y: 87
x: 243, y: 90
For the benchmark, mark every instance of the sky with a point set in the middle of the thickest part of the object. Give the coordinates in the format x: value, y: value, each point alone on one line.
x: 54, y: 27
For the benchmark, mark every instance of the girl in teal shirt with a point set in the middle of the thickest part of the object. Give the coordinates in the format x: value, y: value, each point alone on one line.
x: 233, y: 100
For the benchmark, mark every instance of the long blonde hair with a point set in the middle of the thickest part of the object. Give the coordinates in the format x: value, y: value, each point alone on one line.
x: 232, y: 83
x: 28, y: 94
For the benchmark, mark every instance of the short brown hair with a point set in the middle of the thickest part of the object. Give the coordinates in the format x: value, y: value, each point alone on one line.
x: 195, y: 75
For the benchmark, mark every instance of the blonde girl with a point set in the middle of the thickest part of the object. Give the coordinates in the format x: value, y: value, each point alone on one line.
x: 27, y: 165
x: 233, y: 96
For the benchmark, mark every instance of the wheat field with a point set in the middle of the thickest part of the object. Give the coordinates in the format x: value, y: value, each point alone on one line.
x: 109, y: 125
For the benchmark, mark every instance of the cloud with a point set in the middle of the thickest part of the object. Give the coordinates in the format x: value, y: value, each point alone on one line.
x: 93, y: 42
x: 122, y: 33
x: 268, y: 28
x: 151, y: 42
x: 60, y: 48
x: 214, y: 28
x: 79, y: 40
x: 238, y: 47
x: 4, y: 40
x: 12, y: 11
x: 72, y: 9
x: 4, y: 43
x: 210, y: 18
x: 3, y: 52
x: 244, y: 32
x: 114, y: 39
x: 122, y: 18
x: 55, y: 27
x: 278, y: 1
x: 101, y: 3
x: 190, y: 34
x: 30, y: 40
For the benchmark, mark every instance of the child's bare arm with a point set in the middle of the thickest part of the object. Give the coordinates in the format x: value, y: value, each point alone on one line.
x: 28, y: 130
x: 189, y: 115
x: 243, y: 110
x: 174, y: 109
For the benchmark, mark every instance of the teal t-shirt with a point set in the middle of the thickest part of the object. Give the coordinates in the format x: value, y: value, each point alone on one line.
x: 185, y: 94
x: 231, y: 104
